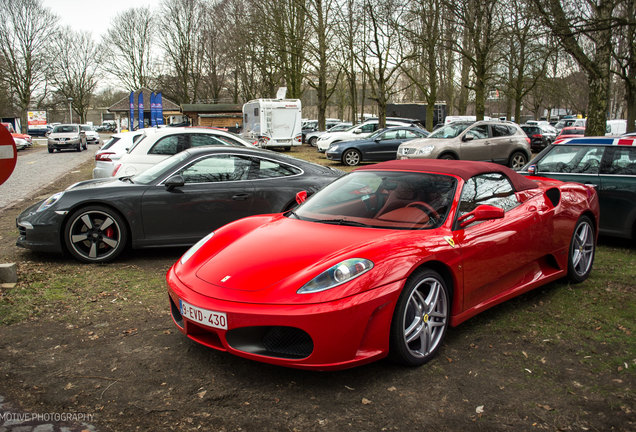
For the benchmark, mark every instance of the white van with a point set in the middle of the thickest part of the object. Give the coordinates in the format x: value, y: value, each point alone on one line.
x: 615, y: 127
x: 273, y: 122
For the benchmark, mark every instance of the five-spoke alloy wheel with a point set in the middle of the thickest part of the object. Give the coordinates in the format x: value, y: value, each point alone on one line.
x: 420, y: 319
x: 582, y: 248
x: 95, y: 234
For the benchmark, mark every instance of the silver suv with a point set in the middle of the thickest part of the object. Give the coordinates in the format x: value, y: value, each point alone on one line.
x: 493, y: 141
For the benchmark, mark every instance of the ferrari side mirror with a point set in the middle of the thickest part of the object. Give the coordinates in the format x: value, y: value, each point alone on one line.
x: 481, y: 213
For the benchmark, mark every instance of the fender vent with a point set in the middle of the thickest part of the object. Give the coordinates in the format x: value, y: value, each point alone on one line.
x: 554, y: 195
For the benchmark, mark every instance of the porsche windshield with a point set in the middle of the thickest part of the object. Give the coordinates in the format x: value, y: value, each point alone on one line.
x: 382, y: 199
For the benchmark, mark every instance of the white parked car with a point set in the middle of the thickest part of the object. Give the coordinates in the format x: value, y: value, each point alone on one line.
x: 356, y: 132
x: 107, y: 157
x: 92, y: 137
x: 154, y: 147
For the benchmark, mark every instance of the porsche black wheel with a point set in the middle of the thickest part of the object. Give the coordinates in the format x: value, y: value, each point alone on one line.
x: 420, y: 319
x: 582, y: 248
x: 95, y: 234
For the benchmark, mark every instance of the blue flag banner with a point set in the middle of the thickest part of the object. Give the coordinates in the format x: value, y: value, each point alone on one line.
x: 153, y: 110
x: 141, y: 109
x: 131, y: 119
x: 159, y: 109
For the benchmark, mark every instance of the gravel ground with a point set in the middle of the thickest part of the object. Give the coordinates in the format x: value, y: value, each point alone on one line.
x: 37, y: 168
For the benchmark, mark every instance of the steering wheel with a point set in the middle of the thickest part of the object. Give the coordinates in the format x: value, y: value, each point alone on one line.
x: 426, y: 208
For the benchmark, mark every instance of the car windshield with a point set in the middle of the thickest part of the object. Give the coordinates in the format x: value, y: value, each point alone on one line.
x: 340, y: 127
x: 152, y: 173
x: 382, y: 199
x: 65, y: 129
x: 451, y: 130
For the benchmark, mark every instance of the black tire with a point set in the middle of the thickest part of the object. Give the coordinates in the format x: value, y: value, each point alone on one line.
x: 351, y: 157
x: 447, y: 156
x: 582, y: 250
x: 517, y: 160
x: 420, y: 319
x: 95, y: 234
x: 51, y: 150
x: 79, y: 147
x: 312, y: 141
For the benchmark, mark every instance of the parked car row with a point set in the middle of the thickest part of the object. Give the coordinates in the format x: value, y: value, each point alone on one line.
x: 22, y: 141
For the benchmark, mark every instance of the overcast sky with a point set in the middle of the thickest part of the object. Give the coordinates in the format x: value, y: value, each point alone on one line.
x: 93, y: 16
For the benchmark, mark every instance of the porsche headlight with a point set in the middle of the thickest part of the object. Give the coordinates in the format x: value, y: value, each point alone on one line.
x: 186, y: 256
x: 337, y: 275
x: 425, y: 150
x: 50, y: 201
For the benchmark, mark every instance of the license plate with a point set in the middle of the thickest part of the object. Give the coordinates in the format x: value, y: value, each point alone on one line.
x: 203, y: 316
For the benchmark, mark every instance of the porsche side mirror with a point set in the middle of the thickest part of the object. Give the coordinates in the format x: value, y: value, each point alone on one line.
x: 174, y: 182
x: 481, y: 213
x: 301, y: 197
x: 468, y: 137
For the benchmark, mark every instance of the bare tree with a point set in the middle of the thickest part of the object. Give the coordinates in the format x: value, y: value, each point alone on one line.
x: 349, y: 24
x: 319, y: 15
x: 183, y: 43
x: 75, y: 74
x: 26, y: 30
x: 384, y: 51
x: 424, y: 31
x: 527, y: 56
x: 585, y: 31
x: 624, y: 54
x: 479, y: 46
x: 127, y: 48
x: 214, y: 59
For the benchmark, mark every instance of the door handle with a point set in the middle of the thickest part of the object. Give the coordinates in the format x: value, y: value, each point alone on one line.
x: 240, y: 197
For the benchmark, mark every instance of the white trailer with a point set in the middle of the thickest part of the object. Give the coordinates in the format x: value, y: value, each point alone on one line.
x: 273, y: 122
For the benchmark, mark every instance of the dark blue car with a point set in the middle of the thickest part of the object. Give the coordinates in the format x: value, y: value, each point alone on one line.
x: 382, y: 145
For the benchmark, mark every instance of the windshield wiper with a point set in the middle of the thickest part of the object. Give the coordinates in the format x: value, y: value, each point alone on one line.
x: 342, y: 222
x: 127, y: 178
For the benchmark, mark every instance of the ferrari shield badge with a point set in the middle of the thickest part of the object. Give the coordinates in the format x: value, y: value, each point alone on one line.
x: 450, y: 241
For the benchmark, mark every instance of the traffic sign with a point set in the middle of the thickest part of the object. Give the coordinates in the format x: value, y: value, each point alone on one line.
x: 8, y: 154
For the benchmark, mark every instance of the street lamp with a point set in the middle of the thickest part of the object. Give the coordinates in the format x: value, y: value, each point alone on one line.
x: 70, y: 108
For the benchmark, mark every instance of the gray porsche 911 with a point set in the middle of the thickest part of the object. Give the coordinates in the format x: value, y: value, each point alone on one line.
x: 174, y: 203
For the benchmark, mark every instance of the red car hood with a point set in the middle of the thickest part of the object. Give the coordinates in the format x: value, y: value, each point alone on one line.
x: 269, y: 263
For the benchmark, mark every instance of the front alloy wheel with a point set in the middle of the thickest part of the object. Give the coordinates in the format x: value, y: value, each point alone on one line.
x: 420, y: 319
x: 582, y: 248
x: 95, y: 234
x: 351, y: 157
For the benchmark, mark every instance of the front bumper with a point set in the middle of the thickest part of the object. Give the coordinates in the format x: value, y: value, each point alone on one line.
x: 334, y: 156
x: 59, y: 145
x: 40, y: 231
x: 325, y: 336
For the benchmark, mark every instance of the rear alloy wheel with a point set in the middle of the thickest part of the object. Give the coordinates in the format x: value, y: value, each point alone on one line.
x: 582, y: 248
x: 420, y: 319
x: 351, y: 157
x: 95, y: 234
x: 312, y: 141
x: 448, y: 156
x: 517, y: 160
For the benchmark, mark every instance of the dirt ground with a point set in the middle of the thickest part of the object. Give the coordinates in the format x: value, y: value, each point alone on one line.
x: 128, y: 366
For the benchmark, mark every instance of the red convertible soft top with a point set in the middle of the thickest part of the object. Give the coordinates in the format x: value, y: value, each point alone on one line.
x: 461, y: 168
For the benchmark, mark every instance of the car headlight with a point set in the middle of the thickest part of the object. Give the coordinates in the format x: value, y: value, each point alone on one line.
x: 186, y: 256
x: 50, y: 201
x: 337, y: 275
x: 425, y: 150
x: 333, y: 147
